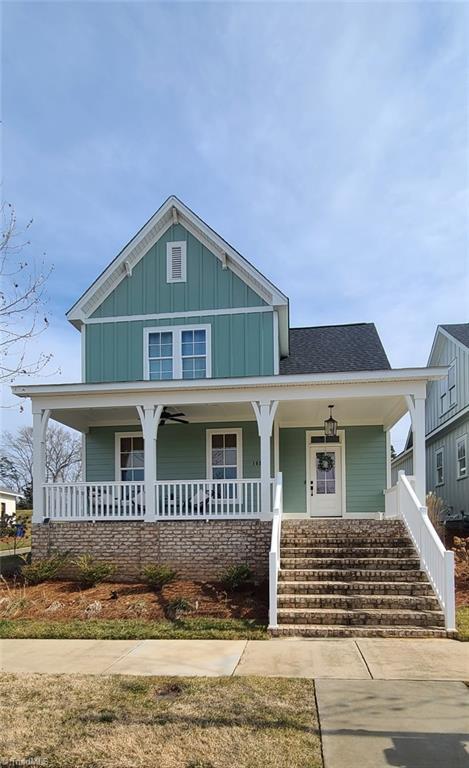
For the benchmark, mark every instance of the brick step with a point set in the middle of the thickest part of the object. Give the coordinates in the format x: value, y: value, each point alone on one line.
x: 336, y: 630
x: 414, y: 589
x: 359, y: 602
x: 328, y: 527
x: 343, y: 541
x: 351, y: 575
x: 358, y: 563
x: 347, y: 551
x: 361, y: 617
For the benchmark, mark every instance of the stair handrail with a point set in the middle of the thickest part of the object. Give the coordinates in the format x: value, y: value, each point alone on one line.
x: 435, y: 559
x: 274, y: 554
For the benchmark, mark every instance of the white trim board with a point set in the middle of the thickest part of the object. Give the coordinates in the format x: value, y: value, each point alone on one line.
x: 177, y: 315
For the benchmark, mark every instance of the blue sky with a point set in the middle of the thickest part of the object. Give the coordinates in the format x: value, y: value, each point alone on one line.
x: 327, y: 142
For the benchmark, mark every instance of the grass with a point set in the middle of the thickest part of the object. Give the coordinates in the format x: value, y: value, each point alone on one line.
x: 141, y: 722
x: 135, y: 629
x: 462, y: 623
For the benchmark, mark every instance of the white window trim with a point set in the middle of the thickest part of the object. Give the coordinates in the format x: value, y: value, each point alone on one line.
x: 445, y: 391
x: 442, y: 451
x: 177, y: 330
x: 117, y: 453
x: 239, y: 449
x: 183, y: 245
x: 459, y: 440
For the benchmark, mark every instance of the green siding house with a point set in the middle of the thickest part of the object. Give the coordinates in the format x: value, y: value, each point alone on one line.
x: 205, y: 416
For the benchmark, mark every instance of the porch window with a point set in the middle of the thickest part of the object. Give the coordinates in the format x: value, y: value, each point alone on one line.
x: 439, y: 467
x: 224, y: 454
x: 178, y: 352
x: 131, y: 458
x: 461, y: 457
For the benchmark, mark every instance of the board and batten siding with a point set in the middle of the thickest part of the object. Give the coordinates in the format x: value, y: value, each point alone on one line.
x: 208, y: 285
x: 365, y: 469
x: 181, y: 450
x: 445, y: 352
x: 454, y: 492
x: 405, y: 463
x: 241, y: 345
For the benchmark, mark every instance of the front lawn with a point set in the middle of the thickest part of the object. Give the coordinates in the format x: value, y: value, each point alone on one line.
x: 135, y: 629
x: 138, y: 722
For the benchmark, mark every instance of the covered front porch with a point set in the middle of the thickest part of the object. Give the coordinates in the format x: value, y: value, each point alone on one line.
x: 235, y: 443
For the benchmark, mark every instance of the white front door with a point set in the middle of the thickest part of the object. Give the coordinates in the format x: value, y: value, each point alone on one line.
x: 325, y: 481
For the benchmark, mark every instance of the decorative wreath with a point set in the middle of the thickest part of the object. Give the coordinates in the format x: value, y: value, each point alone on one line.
x: 325, y: 462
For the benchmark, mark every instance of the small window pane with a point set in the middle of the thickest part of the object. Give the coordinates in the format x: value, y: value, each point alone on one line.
x: 217, y: 441
x: 321, y: 487
x: 218, y: 457
x: 230, y: 440
x: 231, y: 473
x: 126, y: 444
x: 125, y: 459
x: 230, y: 456
x: 199, y: 335
x: 218, y: 473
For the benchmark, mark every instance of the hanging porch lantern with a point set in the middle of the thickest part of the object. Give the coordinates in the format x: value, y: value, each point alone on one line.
x: 330, y: 424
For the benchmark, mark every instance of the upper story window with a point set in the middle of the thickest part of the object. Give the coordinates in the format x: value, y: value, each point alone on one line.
x: 461, y: 457
x: 179, y: 352
x: 176, y: 261
x: 439, y: 467
x: 448, y: 390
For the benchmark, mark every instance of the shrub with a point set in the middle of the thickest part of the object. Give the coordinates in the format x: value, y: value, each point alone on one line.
x: 436, y: 510
x: 156, y: 576
x: 91, y: 571
x: 44, y: 569
x: 176, y: 608
x: 461, y: 558
x: 236, y: 577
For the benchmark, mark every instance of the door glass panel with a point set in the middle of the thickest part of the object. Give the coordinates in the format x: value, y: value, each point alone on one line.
x: 325, y: 472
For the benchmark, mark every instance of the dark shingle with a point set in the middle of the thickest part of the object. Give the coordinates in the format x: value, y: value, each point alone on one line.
x: 334, y: 348
x: 460, y: 331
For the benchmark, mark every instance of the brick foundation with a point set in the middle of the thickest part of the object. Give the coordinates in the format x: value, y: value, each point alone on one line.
x: 197, y: 549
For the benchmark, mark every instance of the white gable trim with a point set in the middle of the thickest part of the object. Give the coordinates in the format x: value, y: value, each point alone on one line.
x: 159, y: 223
x: 442, y: 332
x: 176, y: 315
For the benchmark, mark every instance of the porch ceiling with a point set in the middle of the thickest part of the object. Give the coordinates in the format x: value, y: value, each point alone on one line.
x: 309, y: 413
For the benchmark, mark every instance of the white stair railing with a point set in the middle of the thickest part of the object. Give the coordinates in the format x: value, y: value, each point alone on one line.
x: 437, y: 561
x: 274, y: 554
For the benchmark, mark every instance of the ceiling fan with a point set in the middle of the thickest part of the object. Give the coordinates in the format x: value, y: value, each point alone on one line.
x: 167, y: 415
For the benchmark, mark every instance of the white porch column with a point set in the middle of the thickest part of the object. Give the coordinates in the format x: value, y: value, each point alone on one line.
x: 388, y: 458
x: 265, y: 413
x: 150, y: 419
x: 40, y: 422
x: 416, y: 406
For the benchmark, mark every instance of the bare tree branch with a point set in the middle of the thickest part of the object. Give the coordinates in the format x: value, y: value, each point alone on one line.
x: 63, y: 454
x: 22, y: 302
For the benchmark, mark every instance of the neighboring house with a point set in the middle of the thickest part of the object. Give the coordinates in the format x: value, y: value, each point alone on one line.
x: 8, y: 499
x: 446, y: 424
x: 197, y: 397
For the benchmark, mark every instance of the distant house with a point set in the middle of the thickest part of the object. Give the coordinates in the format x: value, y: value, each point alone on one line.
x: 8, y: 499
x: 446, y: 423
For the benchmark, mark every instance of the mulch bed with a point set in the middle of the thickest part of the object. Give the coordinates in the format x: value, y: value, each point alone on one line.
x: 63, y: 600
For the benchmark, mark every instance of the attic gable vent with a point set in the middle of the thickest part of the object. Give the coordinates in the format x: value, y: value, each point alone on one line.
x: 176, y: 262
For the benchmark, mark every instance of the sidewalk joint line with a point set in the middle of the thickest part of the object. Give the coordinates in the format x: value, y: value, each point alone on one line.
x: 139, y: 643
x: 240, y: 657
x: 316, y: 704
x: 364, y: 660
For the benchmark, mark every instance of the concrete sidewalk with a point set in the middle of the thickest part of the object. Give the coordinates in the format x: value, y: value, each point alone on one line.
x: 378, y: 724
x: 334, y: 659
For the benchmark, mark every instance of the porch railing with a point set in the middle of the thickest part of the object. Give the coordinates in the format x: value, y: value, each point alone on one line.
x: 437, y: 561
x: 94, y: 501
x: 274, y: 554
x: 190, y: 499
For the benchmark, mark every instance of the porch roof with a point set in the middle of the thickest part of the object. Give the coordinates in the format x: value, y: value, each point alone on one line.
x: 365, y: 397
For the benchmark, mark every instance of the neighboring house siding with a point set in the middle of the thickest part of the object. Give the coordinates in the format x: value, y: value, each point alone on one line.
x: 405, y: 463
x: 208, y: 285
x: 454, y: 492
x: 242, y: 345
x: 365, y: 462
x: 181, y: 450
x: 444, y: 353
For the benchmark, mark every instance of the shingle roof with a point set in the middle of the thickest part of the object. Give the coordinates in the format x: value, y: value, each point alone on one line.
x: 460, y: 331
x: 334, y: 348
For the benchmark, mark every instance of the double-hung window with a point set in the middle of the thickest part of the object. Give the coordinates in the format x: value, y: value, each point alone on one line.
x: 461, y: 457
x: 130, y: 465
x: 439, y: 467
x: 179, y: 352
